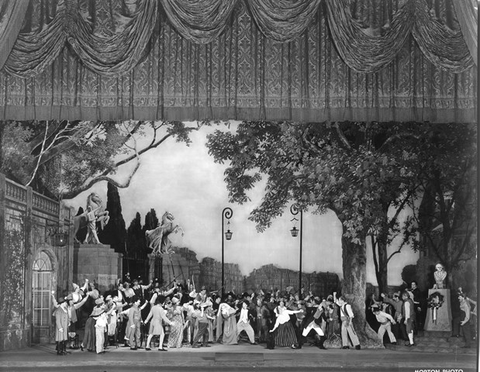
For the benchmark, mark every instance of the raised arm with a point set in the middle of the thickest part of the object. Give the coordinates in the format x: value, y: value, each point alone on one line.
x: 144, y: 305
x: 54, y: 300
x: 154, y: 298
x: 81, y: 303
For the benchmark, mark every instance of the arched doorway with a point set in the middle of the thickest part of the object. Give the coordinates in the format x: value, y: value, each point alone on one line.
x: 43, y: 279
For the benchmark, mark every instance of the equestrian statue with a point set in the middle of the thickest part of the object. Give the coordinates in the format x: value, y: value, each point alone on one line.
x: 157, y: 239
x: 94, y: 212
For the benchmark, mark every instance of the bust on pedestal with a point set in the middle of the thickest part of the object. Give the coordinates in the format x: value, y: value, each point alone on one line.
x: 439, y: 312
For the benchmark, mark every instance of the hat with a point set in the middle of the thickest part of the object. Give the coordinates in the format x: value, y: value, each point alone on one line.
x: 99, y: 301
x: 108, y: 298
x: 75, y: 286
x: 97, y: 311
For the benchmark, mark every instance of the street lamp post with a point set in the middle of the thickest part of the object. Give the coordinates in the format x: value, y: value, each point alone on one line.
x: 294, y: 231
x: 227, y: 213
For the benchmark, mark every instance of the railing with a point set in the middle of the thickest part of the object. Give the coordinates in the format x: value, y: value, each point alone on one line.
x: 15, y: 191
x: 45, y: 204
x: 18, y: 193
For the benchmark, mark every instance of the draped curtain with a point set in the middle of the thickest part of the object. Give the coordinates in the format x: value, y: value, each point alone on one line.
x: 383, y: 60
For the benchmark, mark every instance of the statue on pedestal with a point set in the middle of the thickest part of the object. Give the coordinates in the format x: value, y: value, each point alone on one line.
x: 440, y: 274
x: 439, y: 314
x: 95, y: 212
x: 157, y: 239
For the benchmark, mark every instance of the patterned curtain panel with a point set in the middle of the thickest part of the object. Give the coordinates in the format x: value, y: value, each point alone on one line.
x: 150, y: 60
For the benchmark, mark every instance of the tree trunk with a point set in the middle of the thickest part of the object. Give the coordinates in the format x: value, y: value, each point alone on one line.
x: 354, y: 290
x: 382, y: 272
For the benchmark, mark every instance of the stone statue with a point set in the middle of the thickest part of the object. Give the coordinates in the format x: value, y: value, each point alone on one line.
x: 157, y: 239
x: 94, y: 212
x: 440, y: 274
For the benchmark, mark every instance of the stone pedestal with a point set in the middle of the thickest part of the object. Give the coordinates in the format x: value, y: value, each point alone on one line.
x: 442, y: 320
x: 96, y: 262
x: 154, y: 267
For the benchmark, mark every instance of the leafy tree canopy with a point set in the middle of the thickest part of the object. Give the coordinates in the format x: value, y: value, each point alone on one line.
x: 66, y: 158
x: 353, y: 169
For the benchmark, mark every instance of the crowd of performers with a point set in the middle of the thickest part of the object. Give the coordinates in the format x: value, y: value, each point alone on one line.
x: 139, y: 316
x: 402, y: 314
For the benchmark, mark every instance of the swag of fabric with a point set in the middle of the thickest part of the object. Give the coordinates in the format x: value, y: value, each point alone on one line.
x: 116, y: 42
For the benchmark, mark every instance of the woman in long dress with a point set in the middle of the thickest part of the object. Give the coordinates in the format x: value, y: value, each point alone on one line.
x: 284, y: 330
x: 175, y: 314
x: 230, y: 334
x: 89, y: 338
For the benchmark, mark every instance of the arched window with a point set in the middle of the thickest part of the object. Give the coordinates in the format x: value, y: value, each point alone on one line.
x: 42, y: 286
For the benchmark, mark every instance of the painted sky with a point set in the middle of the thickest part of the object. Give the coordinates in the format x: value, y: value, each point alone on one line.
x: 186, y: 182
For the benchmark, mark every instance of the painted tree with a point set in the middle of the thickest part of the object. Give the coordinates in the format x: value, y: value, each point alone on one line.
x: 447, y: 216
x: 114, y: 233
x: 356, y: 170
x: 135, y: 246
x: 66, y: 158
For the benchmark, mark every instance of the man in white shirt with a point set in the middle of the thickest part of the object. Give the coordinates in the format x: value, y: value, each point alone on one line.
x: 243, y: 323
x: 386, y: 321
x: 346, y: 316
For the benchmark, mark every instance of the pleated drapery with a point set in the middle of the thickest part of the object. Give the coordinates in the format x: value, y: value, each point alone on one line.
x: 12, y: 14
x: 467, y: 14
x: 238, y: 59
x: 199, y: 21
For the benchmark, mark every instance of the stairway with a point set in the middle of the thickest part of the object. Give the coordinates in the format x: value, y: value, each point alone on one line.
x: 436, y: 342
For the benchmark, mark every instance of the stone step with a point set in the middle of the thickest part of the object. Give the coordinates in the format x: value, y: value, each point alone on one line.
x: 436, y: 334
x: 429, y: 349
x: 441, y: 342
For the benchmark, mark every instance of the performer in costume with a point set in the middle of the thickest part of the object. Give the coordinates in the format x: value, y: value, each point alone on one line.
x: 346, y: 317
x: 175, y: 314
x: 157, y: 315
x: 408, y: 315
x: 61, y: 326
x: 385, y: 320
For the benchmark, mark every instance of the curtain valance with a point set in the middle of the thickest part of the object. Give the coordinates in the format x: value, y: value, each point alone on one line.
x: 130, y: 60
x: 199, y: 21
x: 115, y: 50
